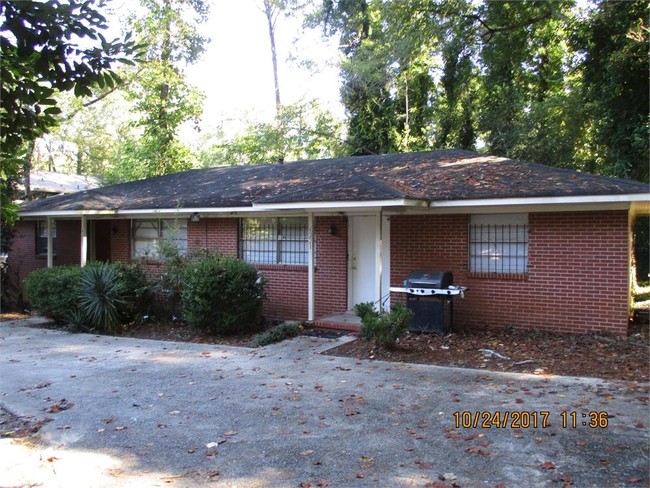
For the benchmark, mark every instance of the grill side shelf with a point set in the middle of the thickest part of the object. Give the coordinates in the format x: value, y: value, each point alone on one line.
x: 456, y: 290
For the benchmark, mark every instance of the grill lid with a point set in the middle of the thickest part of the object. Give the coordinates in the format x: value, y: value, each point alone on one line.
x: 429, y: 279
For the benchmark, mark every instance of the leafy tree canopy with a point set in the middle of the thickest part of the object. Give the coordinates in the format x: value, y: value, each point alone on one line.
x: 46, y: 48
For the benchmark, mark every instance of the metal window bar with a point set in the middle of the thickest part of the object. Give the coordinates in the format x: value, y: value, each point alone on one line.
x: 274, y: 240
x: 498, y: 248
x: 148, y: 232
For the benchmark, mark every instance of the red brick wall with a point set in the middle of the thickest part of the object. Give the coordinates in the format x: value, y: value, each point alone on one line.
x: 214, y: 234
x: 121, y: 241
x: 22, y: 252
x: 331, y: 275
x: 286, y: 291
x: 577, y: 280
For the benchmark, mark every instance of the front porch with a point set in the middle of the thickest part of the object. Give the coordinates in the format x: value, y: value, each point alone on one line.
x: 343, y: 321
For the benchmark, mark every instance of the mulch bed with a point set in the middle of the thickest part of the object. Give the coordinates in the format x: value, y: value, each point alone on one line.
x: 521, y: 351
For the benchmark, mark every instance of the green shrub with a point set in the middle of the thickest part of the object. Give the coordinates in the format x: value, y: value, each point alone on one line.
x: 52, y: 292
x: 221, y: 295
x: 101, y: 297
x: 137, y: 291
x: 276, y: 334
x: 97, y: 297
x: 384, y: 328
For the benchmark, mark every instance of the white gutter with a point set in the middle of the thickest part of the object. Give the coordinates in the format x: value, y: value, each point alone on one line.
x: 600, y: 201
x: 589, y: 199
x: 397, y: 202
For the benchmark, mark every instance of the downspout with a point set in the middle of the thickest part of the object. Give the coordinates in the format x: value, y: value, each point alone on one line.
x: 310, y: 261
x: 84, y: 241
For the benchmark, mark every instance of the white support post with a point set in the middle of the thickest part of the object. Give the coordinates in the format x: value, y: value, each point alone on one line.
x: 378, y: 257
x: 84, y: 240
x: 50, y: 243
x: 310, y: 261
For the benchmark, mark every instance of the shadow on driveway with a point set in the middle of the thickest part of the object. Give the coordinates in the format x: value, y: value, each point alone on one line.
x: 151, y: 413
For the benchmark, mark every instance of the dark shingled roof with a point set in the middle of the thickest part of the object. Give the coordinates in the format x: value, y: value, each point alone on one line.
x: 432, y: 176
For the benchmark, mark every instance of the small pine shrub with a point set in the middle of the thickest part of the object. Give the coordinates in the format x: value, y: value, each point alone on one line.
x: 221, y: 295
x: 276, y: 334
x: 52, y: 292
x: 384, y: 328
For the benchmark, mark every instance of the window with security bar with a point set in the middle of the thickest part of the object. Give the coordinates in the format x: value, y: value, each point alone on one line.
x: 498, y: 243
x: 270, y: 240
x: 41, y: 237
x: 147, y: 233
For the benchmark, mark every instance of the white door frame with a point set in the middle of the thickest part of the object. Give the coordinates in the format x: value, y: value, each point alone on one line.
x: 380, y: 250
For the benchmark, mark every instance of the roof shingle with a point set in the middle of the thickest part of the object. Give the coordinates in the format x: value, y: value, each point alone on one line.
x: 444, y: 175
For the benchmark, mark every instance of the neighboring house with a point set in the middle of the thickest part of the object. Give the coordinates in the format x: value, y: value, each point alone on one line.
x: 48, y: 183
x: 537, y: 246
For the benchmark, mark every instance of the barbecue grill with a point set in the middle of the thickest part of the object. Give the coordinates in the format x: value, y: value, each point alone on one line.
x: 428, y: 294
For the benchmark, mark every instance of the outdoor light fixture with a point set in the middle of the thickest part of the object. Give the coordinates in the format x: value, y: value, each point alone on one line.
x: 195, y: 217
x: 332, y: 230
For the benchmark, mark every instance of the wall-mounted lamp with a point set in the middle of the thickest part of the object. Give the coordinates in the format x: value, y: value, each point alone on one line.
x: 332, y: 230
x: 114, y: 230
x: 195, y: 217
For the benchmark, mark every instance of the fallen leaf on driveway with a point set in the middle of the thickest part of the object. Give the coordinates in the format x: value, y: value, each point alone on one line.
x: 477, y: 450
x: 547, y: 465
x: 60, y: 406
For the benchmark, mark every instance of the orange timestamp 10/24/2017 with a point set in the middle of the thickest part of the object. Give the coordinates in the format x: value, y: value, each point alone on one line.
x: 524, y: 419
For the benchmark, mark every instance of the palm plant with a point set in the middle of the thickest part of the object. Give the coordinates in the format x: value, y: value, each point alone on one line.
x: 101, y: 294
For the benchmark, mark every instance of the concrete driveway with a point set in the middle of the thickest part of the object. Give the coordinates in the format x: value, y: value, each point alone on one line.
x: 128, y: 412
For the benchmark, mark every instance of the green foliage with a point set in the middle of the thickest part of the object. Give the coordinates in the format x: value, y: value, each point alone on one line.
x: 46, y: 48
x: 383, y: 327
x: 276, y: 334
x: 98, y: 297
x: 539, y: 81
x: 161, y: 98
x: 616, y: 87
x: 300, y: 131
x: 53, y: 292
x: 221, y: 295
x: 101, y: 296
x: 136, y: 290
x: 362, y: 310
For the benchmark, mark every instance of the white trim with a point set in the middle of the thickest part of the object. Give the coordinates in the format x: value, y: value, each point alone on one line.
x: 84, y: 241
x: 310, y: 269
x: 50, y: 242
x: 398, y: 202
x: 488, y: 205
x: 589, y: 199
x: 378, y: 260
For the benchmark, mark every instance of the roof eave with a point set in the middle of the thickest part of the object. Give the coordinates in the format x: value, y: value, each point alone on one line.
x: 638, y: 201
x: 329, y: 206
x: 341, y: 206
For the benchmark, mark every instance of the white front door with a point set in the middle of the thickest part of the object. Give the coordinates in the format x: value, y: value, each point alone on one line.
x: 363, y: 262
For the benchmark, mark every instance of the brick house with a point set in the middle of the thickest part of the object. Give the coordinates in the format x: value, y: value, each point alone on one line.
x: 538, y: 247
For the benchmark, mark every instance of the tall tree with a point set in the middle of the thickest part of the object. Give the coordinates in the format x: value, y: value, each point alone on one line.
x: 272, y: 9
x: 616, y: 87
x: 46, y: 48
x: 301, y: 131
x: 162, y: 98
